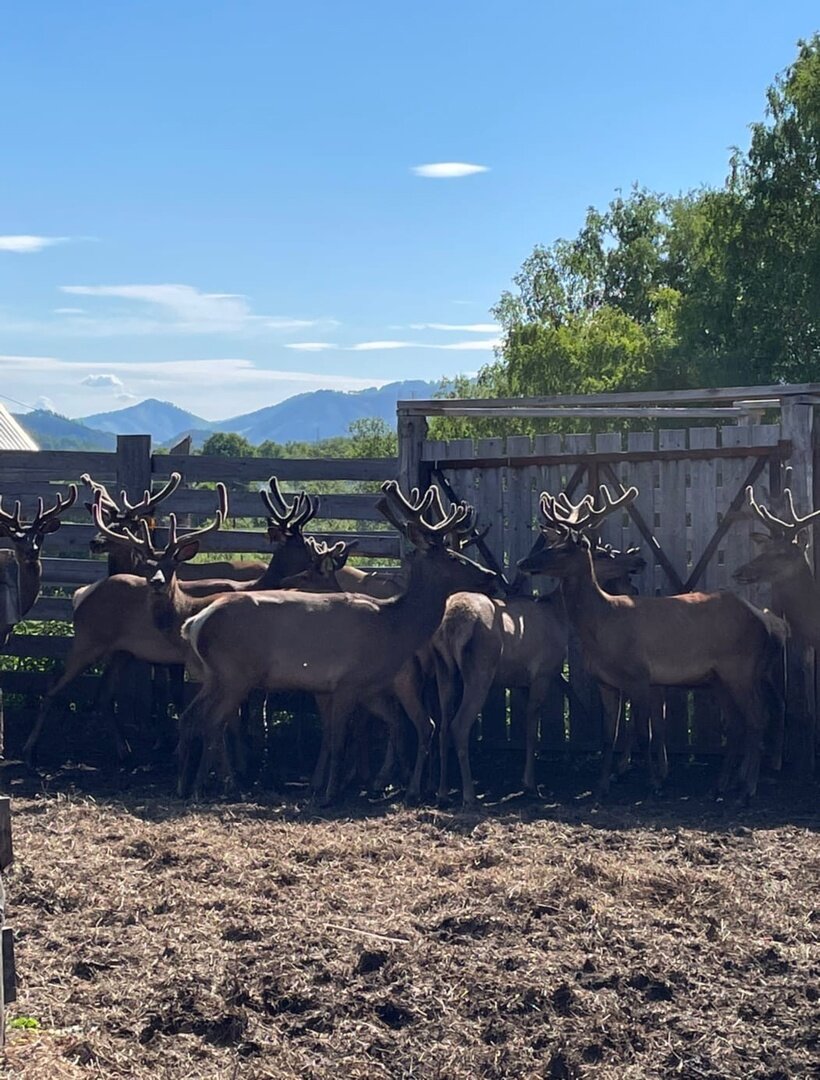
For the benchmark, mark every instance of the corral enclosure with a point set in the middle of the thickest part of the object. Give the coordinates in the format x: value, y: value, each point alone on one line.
x: 689, y: 520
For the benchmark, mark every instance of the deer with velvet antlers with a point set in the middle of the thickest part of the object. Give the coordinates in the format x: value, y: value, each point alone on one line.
x: 342, y: 647
x: 631, y: 644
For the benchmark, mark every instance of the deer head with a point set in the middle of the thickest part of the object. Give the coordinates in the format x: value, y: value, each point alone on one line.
x: 124, y: 515
x: 783, y: 543
x: 159, y: 564
x: 564, y: 545
x: 27, y: 537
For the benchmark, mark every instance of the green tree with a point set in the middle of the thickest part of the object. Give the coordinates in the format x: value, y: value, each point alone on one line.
x: 228, y: 444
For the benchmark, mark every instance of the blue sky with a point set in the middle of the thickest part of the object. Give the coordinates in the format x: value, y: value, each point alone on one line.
x: 214, y: 202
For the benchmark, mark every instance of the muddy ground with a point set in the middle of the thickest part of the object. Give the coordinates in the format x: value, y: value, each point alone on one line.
x: 263, y: 939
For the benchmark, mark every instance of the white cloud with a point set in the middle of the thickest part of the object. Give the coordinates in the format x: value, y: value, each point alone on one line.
x: 310, y: 346
x: 103, y: 380
x: 44, y: 403
x: 127, y: 397
x: 179, y: 309
x: 448, y: 170
x: 69, y: 311
x: 466, y: 328
x: 458, y: 346
x: 29, y: 245
x: 369, y: 346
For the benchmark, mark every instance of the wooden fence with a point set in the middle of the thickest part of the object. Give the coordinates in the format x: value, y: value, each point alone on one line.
x: 690, y: 519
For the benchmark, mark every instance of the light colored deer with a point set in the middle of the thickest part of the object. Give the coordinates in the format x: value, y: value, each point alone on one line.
x: 518, y: 642
x: 130, y: 613
x: 342, y: 647
x: 21, y: 567
x: 631, y: 644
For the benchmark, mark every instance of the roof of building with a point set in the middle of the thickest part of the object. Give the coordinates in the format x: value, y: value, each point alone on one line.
x: 12, y: 436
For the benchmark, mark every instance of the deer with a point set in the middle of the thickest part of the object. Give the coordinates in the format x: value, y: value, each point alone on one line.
x: 130, y: 613
x: 631, y: 644
x: 140, y: 614
x: 342, y: 647
x: 519, y: 641
x: 21, y: 568
x: 784, y: 563
x: 124, y: 514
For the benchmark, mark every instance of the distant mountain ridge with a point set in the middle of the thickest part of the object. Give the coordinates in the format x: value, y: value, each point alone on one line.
x: 308, y: 417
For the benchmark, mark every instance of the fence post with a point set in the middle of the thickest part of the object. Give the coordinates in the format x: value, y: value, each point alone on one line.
x: 797, y: 416
x: 7, y: 973
x: 134, y: 477
x: 412, y: 431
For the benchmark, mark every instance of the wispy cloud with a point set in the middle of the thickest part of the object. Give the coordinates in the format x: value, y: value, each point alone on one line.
x: 177, y: 309
x: 30, y: 245
x: 242, y: 385
x: 478, y: 345
x: 448, y: 170
x: 69, y: 311
x: 372, y: 346
x: 310, y: 346
x: 465, y: 328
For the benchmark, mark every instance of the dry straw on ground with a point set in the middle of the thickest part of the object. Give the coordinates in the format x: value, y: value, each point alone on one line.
x: 254, y: 941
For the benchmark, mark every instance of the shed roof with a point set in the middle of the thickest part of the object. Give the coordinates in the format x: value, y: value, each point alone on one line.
x: 12, y: 436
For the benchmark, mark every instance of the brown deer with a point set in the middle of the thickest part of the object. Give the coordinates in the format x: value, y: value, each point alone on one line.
x: 21, y: 567
x: 130, y: 613
x: 342, y: 647
x: 519, y: 642
x: 631, y: 644
x: 784, y: 563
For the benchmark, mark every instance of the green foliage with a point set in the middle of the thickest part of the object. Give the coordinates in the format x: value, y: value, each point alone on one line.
x: 24, y: 1023
x: 228, y: 444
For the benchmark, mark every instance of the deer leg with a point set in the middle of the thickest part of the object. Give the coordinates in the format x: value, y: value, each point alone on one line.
x: 78, y: 660
x: 536, y: 696
x: 750, y: 702
x: 385, y: 706
x: 733, y: 728
x: 216, y: 720
x: 613, y: 705
x: 341, y: 707
x: 409, y: 688
x: 445, y: 681
x: 106, y: 702
x: 477, y: 684
x: 657, y: 720
x: 318, y: 779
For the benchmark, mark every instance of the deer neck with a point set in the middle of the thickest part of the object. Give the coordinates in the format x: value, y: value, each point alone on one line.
x: 584, y: 599
x: 171, y: 606
x: 416, y: 613
x: 797, y: 595
x: 31, y: 578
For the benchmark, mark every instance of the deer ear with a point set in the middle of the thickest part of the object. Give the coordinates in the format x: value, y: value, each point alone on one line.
x: 187, y: 551
x: 50, y: 526
x: 761, y: 538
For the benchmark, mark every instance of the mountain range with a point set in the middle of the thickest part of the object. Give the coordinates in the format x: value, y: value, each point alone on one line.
x: 319, y: 414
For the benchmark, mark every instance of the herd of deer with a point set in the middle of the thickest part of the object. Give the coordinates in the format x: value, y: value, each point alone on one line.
x: 447, y: 628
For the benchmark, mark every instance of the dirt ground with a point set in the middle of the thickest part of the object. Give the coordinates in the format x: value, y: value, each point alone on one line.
x: 254, y: 940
